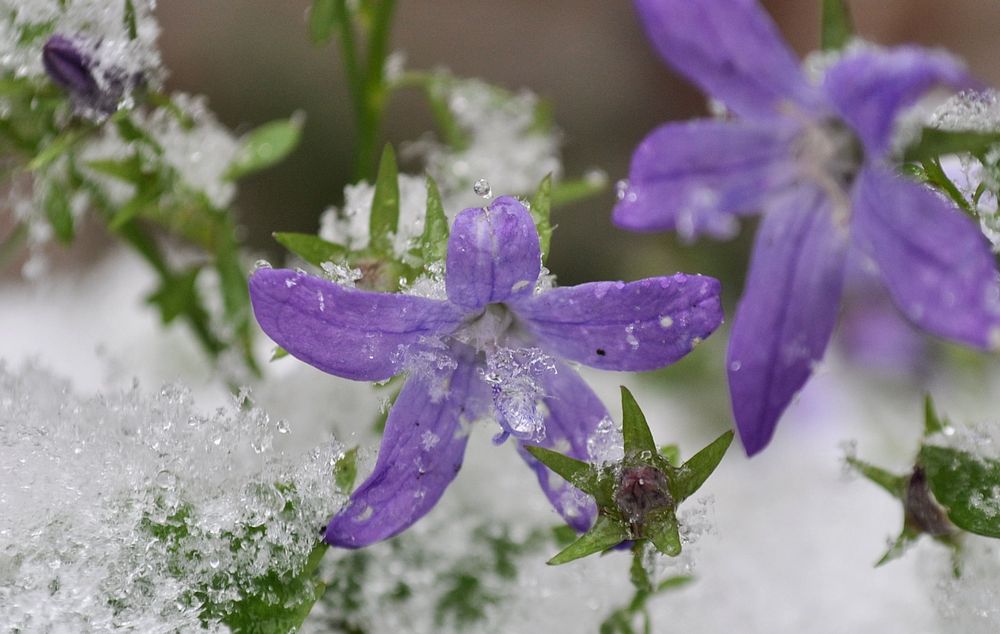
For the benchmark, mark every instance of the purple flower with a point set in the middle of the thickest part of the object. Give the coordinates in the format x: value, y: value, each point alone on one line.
x: 495, y: 346
x: 815, y: 157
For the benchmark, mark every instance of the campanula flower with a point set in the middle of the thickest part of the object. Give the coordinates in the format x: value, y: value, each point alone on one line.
x: 494, y: 345
x: 816, y: 158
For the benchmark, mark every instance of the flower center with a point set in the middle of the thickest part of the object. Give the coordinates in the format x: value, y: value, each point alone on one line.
x: 829, y: 154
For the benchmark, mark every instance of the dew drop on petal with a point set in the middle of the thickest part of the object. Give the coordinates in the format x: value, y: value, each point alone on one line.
x: 482, y: 188
x: 261, y: 264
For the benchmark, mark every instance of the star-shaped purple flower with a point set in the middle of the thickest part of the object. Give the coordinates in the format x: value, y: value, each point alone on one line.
x: 495, y: 345
x: 815, y: 157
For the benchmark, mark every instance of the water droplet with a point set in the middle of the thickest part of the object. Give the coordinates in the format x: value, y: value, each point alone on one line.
x: 482, y: 188
x: 735, y: 366
x: 214, y: 564
x: 282, y: 426
x: 621, y: 189
x: 666, y: 321
x: 261, y: 264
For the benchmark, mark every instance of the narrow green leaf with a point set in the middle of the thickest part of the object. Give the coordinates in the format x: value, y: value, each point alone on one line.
x: 54, y: 149
x: 606, y: 533
x: 312, y: 249
x: 385, y: 205
x: 635, y: 430
x: 59, y: 214
x: 672, y: 453
x: 898, y: 547
x: 894, y: 485
x: 966, y: 485
x: 541, y: 210
x: 935, y: 175
x: 434, y: 241
x: 934, y: 143
x: 674, y: 582
x: 565, y: 192
x: 578, y: 473
x: 322, y: 20
x: 176, y: 294
x: 128, y: 170
x: 662, y: 530
x: 130, y: 20
x: 837, y: 28
x: 438, y: 87
x: 695, y: 471
x: 932, y: 422
x: 146, y: 195
x: 278, y: 353
x: 346, y: 470
x: 266, y: 146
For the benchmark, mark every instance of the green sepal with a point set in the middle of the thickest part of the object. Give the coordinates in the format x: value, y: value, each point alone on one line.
x: 129, y: 169
x: 434, y: 240
x: 278, y: 353
x: 604, y: 534
x: 933, y: 423
x: 345, y: 471
x: 635, y: 429
x: 934, y: 142
x: 59, y: 214
x: 578, y: 473
x: 693, y: 473
x: 906, y: 539
x: 965, y: 485
x: 176, y: 295
x: 565, y: 192
x: 662, y: 530
x: 672, y: 453
x: 837, y: 27
x: 266, y: 146
x: 541, y: 210
x: 312, y: 249
x: 322, y: 20
x: 894, y: 485
x: 384, y: 219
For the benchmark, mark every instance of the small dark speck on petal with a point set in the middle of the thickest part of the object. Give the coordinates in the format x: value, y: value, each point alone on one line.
x: 601, y: 352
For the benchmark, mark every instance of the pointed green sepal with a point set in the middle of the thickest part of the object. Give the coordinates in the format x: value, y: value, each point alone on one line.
x: 932, y: 422
x: 837, y: 28
x: 578, y: 473
x: 693, y: 473
x: 266, y: 146
x: 661, y: 529
x: 672, y: 453
x: 635, y: 429
x: 605, y: 533
x: 894, y: 485
x: 541, y: 209
x: 966, y: 485
x: 934, y: 142
x: 898, y: 547
x: 385, y: 204
x: 278, y: 353
x: 312, y: 249
x: 434, y: 240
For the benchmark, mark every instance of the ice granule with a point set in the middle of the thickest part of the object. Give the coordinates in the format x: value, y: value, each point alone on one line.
x: 514, y: 376
x: 349, y: 225
x: 969, y: 110
x: 130, y: 511
x: 606, y: 444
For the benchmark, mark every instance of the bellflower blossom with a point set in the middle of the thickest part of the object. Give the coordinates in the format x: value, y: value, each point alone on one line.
x: 495, y: 345
x: 816, y: 159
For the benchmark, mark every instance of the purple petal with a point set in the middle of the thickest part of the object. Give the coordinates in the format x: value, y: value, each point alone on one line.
x: 872, y: 87
x: 732, y: 50
x: 344, y: 331
x: 574, y: 412
x: 695, y: 176
x: 493, y: 255
x: 787, y: 313
x: 935, y: 263
x: 421, y: 452
x: 640, y: 325
x: 68, y: 67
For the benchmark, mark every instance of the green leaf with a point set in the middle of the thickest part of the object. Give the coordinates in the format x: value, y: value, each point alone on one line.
x: 322, y: 20
x: 837, y: 28
x: 128, y: 170
x: 346, y: 470
x: 894, y: 485
x: 266, y: 146
x: 434, y: 240
x: 693, y: 473
x: 385, y: 205
x: 935, y: 175
x: 968, y: 486
x: 312, y: 249
x: 578, y: 473
x: 638, y: 438
x: 674, y: 582
x: 672, y: 453
x: 129, y: 20
x: 176, y: 294
x: 932, y: 422
x: 606, y: 533
x: 54, y: 149
x: 59, y: 214
x: 662, y: 530
x: 541, y: 209
x: 438, y: 87
x: 565, y: 192
x: 278, y: 353
x: 934, y: 143
x: 898, y: 547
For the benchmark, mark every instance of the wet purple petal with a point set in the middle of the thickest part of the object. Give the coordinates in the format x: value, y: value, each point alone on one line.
x: 574, y: 412
x: 493, y: 255
x: 787, y: 313
x: 934, y: 261
x: 732, y: 50
x: 632, y: 326
x: 695, y: 176
x: 872, y: 87
x: 344, y: 331
x: 421, y: 452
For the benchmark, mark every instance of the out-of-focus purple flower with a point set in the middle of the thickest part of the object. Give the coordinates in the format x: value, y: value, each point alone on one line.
x: 70, y: 65
x: 494, y: 346
x: 816, y: 159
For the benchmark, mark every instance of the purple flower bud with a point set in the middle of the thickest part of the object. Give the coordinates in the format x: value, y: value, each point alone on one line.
x: 642, y: 490
x: 91, y: 87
